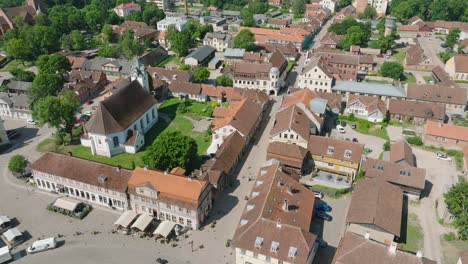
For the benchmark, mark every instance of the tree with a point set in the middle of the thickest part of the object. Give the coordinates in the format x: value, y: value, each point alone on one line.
x: 245, y: 40
x: 18, y: 164
x: 53, y: 64
x: 77, y: 40
x: 201, y: 74
x: 299, y: 8
x: 385, y: 43
x: 185, y: 67
x: 393, y: 70
x: 247, y: 18
x: 45, y: 85
x: 444, y: 56
x: 457, y: 203
x: 171, y: 149
x: 368, y: 13
x: 354, y: 36
x: 22, y: 75
x: 223, y: 80
x: 453, y: 37
x: 18, y: 49
x: 57, y: 111
x: 440, y: 10
x: 152, y: 14
x: 180, y: 43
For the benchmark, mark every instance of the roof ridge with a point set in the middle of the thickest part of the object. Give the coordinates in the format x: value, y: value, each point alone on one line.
x: 356, y: 247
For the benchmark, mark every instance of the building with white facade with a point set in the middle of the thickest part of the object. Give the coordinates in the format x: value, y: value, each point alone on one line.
x: 88, y: 181
x: 371, y: 108
x: 178, y: 22
x: 267, y: 76
x: 126, y: 9
x: 170, y: 196
x: 275, y: 224
x: 162, y: 4
x: 291, y: 126
x: 328, y: 4
x: 217, y: 40
x: 120, y: 121
x: 315, y: 76
x: 15, y: 106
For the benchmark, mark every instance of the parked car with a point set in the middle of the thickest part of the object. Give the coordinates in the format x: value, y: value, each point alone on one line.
x: 408, y: 73
x: 353, y: 125
x: 443, y: 156
x: 31, y: 122
x: 324, y: 216
x: 94, y: 107
x: 443, y: 45
x: 343, y: 123
x: 456, y: 116
x: 90, y: 102
x: 341, y: 129
x: 84, y: 118
x: 42, y: 245
x: 355, y: 140
x: 323, y: 207
x: 88, y: 113
x: 318, y: 194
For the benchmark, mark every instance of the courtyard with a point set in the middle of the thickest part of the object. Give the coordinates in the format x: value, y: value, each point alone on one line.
x: 193, y: 119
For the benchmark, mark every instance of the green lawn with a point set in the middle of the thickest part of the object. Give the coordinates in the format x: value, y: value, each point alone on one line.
x: 409, y: 79
x: 13, y: 64
x: 290, y: 65
x: 367, y: 127
x: 171, y: 59
x: 412, y: 239
x: 194, y: 109
x: 399, y: 54
x: 428, y: 78
x: 127, y: 160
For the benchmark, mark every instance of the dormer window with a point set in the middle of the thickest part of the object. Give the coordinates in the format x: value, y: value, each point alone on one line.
x: 330, y: 149
x: 244, y: 222
x: 254, y: 194
x: 347, y: 153
x: 258, y: 242
x: 250, y: 207
x: 292, y: 252
x: 380, y: 167
x: 259, y: 183
x: 274, y: 247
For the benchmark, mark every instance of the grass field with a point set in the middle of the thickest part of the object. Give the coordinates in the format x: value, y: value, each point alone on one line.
x: 399, y: 54
x: 13, y: 64
x: 367, y: 127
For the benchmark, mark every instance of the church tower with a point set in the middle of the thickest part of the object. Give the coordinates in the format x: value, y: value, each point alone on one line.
x: 139, y: 73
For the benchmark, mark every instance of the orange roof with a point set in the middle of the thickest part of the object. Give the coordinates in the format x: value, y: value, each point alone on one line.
x: 168, y: 185
x: 287, y: 34
x: 446, y: 131
x: 162, y: 34
x: 302, y: 96
x: 127, y: 5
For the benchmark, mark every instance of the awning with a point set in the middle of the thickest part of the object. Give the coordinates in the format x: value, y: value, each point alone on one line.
x: 5, y: 254
x: 126, y: 219
x: 4, y: 219
x: 11, y: 233
x: 142, y: 222
x: 165, y: 228
x: 66, y: 203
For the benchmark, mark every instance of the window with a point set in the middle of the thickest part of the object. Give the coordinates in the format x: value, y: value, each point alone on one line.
x: 168, y: 206
x: 181, y: 220
x: 153, y: 113
x: 330, y: 149
x: 348, y: 153
x: 161, y: 216
x: 189, y: 222
x: 188, y: 211
x: 274, y: 246
x: 116, y: 141
x: 147, y: 118
x: 181, y: 209
x: 174, y: 218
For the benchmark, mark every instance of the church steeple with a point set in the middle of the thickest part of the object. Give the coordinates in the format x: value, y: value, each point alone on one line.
x: 139, y: 73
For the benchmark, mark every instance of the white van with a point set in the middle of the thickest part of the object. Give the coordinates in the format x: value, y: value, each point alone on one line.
x: 42, y: 245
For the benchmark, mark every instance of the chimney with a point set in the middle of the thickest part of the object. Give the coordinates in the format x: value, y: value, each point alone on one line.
x: 419, y: 254
x: 393, y: 247
x: 285, y: 205
x: 290, y: 189
x: 278, y: 223
x: 367, y: 235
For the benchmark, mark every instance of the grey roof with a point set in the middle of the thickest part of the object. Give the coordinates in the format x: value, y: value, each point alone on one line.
x: 117, y: 112
x: 15, y: 100
x: 369, y: 88
x: 275, y: 13
x: 231, y: 13
x: 202, y: 53
x: 237, y: 53
x: 126, y: 65
x: 260, y: 17
x: 19, y: 85
x: 215, y: 60
x: 318, y: 105
x: 218, y: 35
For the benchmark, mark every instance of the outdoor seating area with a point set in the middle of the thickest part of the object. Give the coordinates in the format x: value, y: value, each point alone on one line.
x: 70, y: 207
x: 131, y: 223
x: 328, y: 179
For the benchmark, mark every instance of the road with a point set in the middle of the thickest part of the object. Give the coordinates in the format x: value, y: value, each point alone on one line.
x: 28, y: 206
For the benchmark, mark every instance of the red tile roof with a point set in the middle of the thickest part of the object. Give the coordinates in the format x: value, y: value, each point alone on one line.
x: 446, y: 130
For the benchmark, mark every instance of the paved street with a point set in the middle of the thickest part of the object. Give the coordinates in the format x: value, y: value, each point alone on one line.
x: 29, y: 209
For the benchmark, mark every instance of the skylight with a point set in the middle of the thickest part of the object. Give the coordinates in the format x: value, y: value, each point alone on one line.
x: 330, y: 149
x: 243, y: 221
x: 348, y: 153
x: 274, y: 246
x: 258, y: 242
x: 292, y: 252
x: 250, y: 207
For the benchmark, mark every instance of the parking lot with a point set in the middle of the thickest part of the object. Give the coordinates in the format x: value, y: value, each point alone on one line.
x: 371, y: 142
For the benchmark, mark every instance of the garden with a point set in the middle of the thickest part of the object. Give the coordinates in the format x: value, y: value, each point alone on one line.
x: 366, y: 127
x: 191, y: 118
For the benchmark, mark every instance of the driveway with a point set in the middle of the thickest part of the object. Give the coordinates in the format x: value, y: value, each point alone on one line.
x: 431, y: 47
x: 332, y: 231
x: 439, y: 173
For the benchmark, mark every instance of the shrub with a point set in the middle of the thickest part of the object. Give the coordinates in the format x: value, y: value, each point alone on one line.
x: 449, y: 236
x: 417, y: 141
x: 386, y: 146
x: 351, y: 117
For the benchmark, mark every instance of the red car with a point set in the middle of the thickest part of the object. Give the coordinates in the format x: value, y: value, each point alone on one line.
x: 90, y: 102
